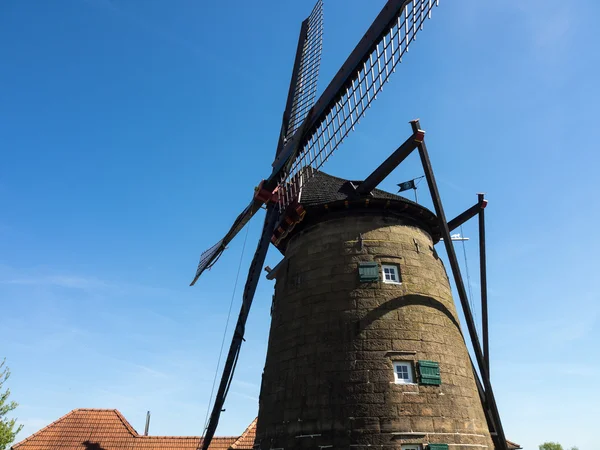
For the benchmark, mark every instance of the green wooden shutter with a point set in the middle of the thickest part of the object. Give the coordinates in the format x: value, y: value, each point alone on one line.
x: 437, y: 447
x: 429, y: 373
x: 368, y: 271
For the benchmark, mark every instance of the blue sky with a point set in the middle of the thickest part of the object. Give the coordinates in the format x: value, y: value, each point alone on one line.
x: 132, y: 133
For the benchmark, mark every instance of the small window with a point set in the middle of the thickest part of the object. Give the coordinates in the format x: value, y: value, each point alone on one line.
x: 403, y: 372
x: 437, y: 447
x: 391, y: 273
x: 411, y: 446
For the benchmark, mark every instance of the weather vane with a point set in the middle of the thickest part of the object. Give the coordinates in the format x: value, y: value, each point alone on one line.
x: 410, y: 184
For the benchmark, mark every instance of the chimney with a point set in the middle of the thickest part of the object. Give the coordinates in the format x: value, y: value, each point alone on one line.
x: 147, y: 423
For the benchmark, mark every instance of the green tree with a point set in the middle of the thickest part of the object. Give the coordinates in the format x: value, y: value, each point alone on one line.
x: 8, y: 428
x: 553, y: 446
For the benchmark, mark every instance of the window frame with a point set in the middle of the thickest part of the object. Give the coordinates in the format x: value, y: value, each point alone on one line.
x: 411, y: 372
x: 411, y: 447
x: 396, y: 270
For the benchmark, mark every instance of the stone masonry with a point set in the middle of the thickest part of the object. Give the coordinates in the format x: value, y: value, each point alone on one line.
x: 328, y: 381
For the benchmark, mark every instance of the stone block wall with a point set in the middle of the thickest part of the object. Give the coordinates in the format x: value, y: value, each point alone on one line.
x: 329, y: 379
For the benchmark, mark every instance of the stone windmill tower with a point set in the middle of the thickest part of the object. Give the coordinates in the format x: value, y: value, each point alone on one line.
x: 365, y: 348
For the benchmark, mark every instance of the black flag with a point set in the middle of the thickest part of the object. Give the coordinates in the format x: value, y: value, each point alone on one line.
x: 407, y: 185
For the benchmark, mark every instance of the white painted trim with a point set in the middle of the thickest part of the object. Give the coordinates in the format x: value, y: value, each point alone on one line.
x: 395, y: 268
x: 421, y: 433
x: 411, y: 447
x: 411, y: 372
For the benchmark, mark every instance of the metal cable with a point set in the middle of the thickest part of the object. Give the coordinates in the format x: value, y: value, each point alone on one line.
x: 471, y: 302
x: 237, y: 276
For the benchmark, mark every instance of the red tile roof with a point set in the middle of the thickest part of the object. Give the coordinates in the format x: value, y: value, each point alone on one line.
x: 512, y: 445
x: 246, y: 440
x: 107, y: 429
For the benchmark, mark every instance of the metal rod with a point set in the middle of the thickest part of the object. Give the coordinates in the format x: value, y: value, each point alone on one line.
x: 483, y: 281
x: 147, y: 427
x: 238, y: 335
x: 379, y: 174
x: 500, y: 440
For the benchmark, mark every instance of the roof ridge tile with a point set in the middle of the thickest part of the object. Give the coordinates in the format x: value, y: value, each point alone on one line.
x: 250, y: 429
x: 126, y: 423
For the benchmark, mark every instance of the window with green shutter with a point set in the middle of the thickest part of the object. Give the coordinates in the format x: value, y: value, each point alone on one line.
x: 437, y: 447
x: 368, y: 271
x: 429, y: 373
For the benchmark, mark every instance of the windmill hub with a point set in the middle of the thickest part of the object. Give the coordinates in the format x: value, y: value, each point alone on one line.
x: 264, y: 195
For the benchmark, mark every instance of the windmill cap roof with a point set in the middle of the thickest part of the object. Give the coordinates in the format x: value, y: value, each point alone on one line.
x: 325, y: 196
x: 323, y: 188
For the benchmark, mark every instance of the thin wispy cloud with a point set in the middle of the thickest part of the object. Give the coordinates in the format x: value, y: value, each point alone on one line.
x: 151, y: 372
x: 557, y: 332
x: 547, y: 369
x: 452, y: 185
x: 549, y: 37
x: 245, y: 384
x: 548, y: 23
x: 246, y: 396
x: 33, y: 424
x: 64, y: 281
x: 44, y: 276
x: 55, y: 341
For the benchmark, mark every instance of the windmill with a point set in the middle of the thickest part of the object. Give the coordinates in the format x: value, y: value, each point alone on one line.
x: 338, y: 305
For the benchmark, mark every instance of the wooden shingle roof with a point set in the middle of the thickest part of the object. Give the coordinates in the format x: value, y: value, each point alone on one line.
x: 107, y: 429
x: 324, y: 196
x: 323, y: 188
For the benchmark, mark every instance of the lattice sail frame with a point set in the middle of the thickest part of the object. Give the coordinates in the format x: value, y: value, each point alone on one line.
x: 363, y: 88
x: 308, y: 73
x: 209, y: 257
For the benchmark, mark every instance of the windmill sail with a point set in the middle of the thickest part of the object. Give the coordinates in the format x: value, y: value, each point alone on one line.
x: 301, y: 97
x: 305, y: 86
x: 351, y: 92
x: 210, y: 256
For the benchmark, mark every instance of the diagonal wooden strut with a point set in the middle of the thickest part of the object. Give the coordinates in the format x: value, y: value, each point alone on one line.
x: 238, y: 335
x: 393, y: 161
x: 490, y: 403
x: 478, y: 209
x: 483, y: 281
x: 468, y: 214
